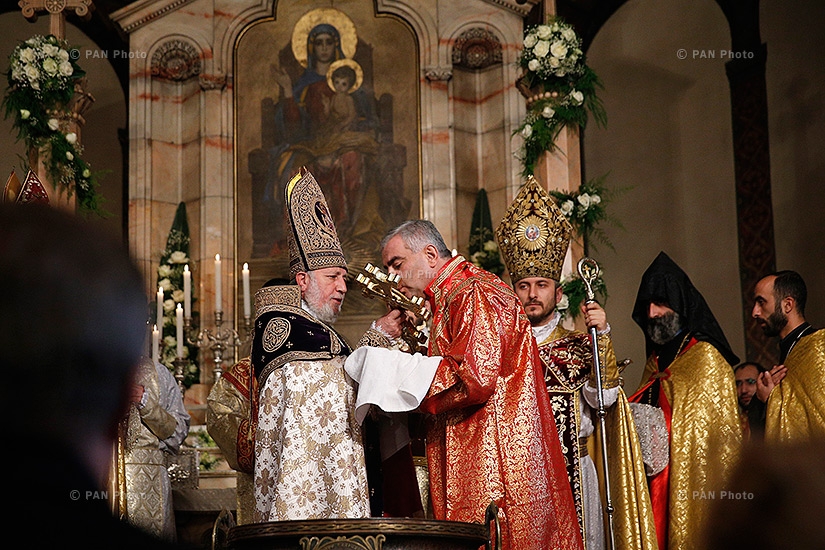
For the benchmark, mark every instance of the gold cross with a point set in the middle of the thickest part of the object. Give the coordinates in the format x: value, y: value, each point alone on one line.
x: 56, y: 10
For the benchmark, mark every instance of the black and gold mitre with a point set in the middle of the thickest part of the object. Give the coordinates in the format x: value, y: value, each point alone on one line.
x: 313, y: 240
x: 534, y: 235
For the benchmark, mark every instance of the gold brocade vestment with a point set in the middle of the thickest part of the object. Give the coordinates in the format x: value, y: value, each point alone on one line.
x: 231, y: 418
x: 698, y: 397
x: 796, y: 408
x: 568, y: 359
x: 492, y: 436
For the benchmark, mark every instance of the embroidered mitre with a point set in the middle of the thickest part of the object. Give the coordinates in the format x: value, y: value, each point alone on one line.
x: 30, y: 191
x: 313, y: 240
x: 534, y: 235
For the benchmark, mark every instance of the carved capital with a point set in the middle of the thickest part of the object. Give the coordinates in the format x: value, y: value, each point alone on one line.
x: 434, y: 74
x: 212, y: 81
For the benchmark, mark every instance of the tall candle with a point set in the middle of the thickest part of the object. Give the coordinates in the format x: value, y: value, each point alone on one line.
x: 187, y: 292
x: 218, y: 283
x: 155, y: 344
x: 247, y: 308
x: 159, y: 319
x: 179, y: 319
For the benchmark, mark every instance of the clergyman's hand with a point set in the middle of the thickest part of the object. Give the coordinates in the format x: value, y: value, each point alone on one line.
x: 594, y: 316
x: 767, y: 381
x: 390, y: 324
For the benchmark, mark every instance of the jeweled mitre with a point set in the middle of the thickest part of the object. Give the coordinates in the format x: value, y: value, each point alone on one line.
x: 313, y: 240
x: 534, y: 235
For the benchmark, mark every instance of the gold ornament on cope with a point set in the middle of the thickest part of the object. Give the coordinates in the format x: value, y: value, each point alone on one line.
x: 534, y: 235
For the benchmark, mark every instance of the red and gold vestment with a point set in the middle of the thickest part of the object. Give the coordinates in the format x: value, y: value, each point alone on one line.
x: 492, y: 436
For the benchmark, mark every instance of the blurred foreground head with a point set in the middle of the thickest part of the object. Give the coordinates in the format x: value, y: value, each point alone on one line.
x: 72, y: 325
x: 773, y: 501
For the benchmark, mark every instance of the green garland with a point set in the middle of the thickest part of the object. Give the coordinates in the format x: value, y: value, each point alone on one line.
x: 574, y: 294
x: 170, y: 279
x: 41, y: 84
x: 560, y: 88
x: 586, y: 208
x: 484, y: 251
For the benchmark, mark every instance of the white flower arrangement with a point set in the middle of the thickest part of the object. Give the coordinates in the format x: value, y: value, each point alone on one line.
x: 586, y: 209
x: 559, y: 86
x: 558, y: 40
x: 41, y: 83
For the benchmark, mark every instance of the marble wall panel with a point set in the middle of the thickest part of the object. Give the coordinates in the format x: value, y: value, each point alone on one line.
x: 181, y: 132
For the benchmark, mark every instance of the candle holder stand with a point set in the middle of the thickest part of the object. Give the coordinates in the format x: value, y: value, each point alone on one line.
x: 180, y: 365
x: 219, y: 340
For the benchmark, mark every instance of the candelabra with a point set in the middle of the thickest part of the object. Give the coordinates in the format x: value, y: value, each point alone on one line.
x: 180, y: 364
x: 219, y: 340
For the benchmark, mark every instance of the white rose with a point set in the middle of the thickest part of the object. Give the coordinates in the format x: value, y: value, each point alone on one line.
x: 27, y: 55
x: 533, y: 65
x: 86, y: 173
x: 69, y: 155
x: 170, y: 341
x: 177, y: 296
x: 548, y: 112
x: 32, y: 74
x: 544, y: 32
x: 554, y: 62
x: 178, y: 257
x: 527, y: 131
x: 50, y: 66
x: 54, y: 124
x: 25, y: 113
x: 530, y: 40
x: 577, y: 96
x: 66, y: 68
x: 164, y: 270
x: 584, y: 200
x: 595, y: 199
x: 165, y: 284
x: 71, y: 137
x: 63, y: 55
x: 558, y: 49
x: 542, y: 48
x: 564, y: 303
x: 555, y: 27
x: 17, y: 73
x: 566, y: 207
x: 490, y: 246
x: 568, y: 34
x: 50, y: 50
x: 168, y: 305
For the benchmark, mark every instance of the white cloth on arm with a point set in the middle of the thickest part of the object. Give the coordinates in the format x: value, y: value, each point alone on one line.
x: 392, y: 380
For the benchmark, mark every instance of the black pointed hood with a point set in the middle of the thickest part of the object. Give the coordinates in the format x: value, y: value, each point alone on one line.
x: 665, y: 282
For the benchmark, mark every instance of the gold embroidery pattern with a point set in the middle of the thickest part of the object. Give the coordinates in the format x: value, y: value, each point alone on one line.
x: 276, y: 333
x: 534, y: 234
x: 313, y: 241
